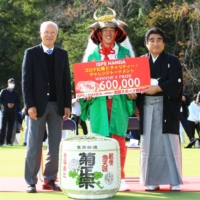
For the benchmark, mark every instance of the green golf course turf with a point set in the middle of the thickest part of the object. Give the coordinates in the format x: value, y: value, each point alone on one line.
x: 12, y: 165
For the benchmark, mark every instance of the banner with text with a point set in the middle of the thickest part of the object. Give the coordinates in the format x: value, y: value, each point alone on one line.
x: 105, y: 78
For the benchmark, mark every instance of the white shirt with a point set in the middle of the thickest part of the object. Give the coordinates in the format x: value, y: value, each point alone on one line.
x: 76, y: 108
x: 194, y: 111
x: 154, y: 59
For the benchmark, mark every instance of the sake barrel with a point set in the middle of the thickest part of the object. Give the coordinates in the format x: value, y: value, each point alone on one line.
x: 89, y: 167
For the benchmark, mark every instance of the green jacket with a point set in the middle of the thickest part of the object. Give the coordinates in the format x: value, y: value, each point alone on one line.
x: 96, y: 109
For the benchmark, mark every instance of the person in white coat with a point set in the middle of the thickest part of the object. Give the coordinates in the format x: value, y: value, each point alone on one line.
x: 194, y: 118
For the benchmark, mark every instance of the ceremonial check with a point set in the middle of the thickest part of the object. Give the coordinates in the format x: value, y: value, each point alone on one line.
x: 111, y: 77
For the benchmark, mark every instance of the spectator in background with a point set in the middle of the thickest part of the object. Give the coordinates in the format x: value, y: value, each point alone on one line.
x: 133, y: 138
x: 76, y: 112
x: 183, y: 117
x: 17, y: 125
x: 181, y: 132
x: 10, y: 99
x: 134, y: 135
x: 83, y: 126
x: 193, y: 118
x: 26, y: 124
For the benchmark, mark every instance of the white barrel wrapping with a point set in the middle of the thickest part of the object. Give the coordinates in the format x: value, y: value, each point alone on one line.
x: 89, y: 167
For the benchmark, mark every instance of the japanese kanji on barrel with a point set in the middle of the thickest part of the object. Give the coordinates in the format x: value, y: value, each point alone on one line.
x: 89, y: 167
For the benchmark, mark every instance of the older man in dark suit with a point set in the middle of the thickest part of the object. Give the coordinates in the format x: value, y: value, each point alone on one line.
x: 46, y: 87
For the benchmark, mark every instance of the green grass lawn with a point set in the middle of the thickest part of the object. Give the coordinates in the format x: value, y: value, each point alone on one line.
x: 12, y: 165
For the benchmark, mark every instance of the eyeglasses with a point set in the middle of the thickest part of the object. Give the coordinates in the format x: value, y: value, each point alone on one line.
x: 50, y: 33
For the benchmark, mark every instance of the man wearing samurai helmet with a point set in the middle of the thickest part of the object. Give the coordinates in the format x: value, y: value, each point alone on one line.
x: 109, y: 115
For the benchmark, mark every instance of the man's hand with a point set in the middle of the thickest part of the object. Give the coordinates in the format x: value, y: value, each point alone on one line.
x: 183, y: 98
x: 32, y: 112
x: 66, y: 113
x: 153, y: 89
x: 132, y: 96
x: 88, y: 98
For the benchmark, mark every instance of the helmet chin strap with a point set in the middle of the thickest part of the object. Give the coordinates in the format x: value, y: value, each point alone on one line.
x: 107, y: 50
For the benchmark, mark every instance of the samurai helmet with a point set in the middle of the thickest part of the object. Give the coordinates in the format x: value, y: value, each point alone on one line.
x: 107, y: 21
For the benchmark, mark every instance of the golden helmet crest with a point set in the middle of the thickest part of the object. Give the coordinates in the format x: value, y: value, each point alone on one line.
x: 105, y: 18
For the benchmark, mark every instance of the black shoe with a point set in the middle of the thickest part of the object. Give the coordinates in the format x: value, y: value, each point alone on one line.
x: 31, y: 188
x: 9, y: 144
x: 24, y: 144
x: 51, y: 186
x: 192, y: 142
x: 1, y: 144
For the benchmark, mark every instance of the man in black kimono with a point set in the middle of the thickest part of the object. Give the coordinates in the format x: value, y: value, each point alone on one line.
x: 159, y: 107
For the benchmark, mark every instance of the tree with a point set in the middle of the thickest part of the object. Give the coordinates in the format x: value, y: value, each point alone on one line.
x: 181, y: 23
x: 18, y: 31
x: 179, y: 19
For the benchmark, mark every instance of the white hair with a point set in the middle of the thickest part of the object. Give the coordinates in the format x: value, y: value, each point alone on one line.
x: 91, y: 47
x: 45, y: 24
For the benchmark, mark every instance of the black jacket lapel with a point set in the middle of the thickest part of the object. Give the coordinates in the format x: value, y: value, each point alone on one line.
x: 43, y: 61
x: 56, y: 62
